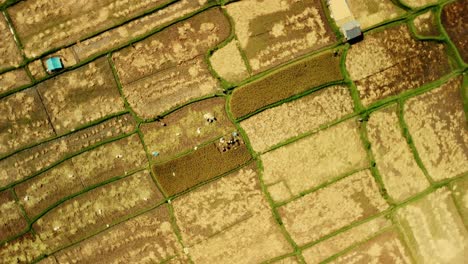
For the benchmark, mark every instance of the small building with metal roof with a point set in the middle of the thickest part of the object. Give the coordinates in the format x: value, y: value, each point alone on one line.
x: 54, y: 64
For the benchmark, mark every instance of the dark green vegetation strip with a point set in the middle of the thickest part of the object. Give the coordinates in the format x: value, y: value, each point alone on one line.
x: 286, y: 82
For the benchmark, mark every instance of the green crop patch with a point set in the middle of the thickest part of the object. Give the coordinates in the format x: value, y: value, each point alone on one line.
x: 286, y: 82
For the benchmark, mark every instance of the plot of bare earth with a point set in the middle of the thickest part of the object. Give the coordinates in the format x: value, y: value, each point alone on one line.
x: 344, y: 240
x: 320, y: 213
x: 437, y: 122
x: 389, y: 62
x: 10, y: 55
x: 291, y: 119
x: 122, y: 35
x: 288, y: 260
x: 186, y: 128
x: 273, y: 32
x: 148, y: 238
x: 434, y: 229
x: 229, y: 64
x: 372, y: 12
x: 43, y: 25
x: 460, y: 193
x: 13, y: 79
x: 454, y: 18
x: 426, y: 24
x: 93, y: 210
x: 418, y: 3
x: 167, y: 69
x: 400, y: 173
x: 229, y: 220
x: 385, y: 248
x: 89, y: 168
x: 12, y: 221
x: 29, y: 161
x: 23, y: 249
x: 67, y: 96
x: 316, y: 159
x: 23, y: 121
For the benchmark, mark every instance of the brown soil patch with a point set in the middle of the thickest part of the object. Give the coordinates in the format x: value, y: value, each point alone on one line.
x: 92, y: 211
x: 147, y: 238
x: 23, y: 121
x: 286, y: 82
x: 434, y: 229
x: 122, y: 35
x: 317, y: 214
x: 201, y: 165
x: 229, y: 64
x: 316, y: 159
x: 186, y: 128
x: 291, y: 119
x: 67, y: 96
x: 89, y: 168
x: 385, y: 248
x: 217, y: 206
x: 167, y: 69
x: 24, y: 249
x: 372, y: 12
x: 454, y: 18
x: 253, y: 240
x: 344, y: 240
x: 12, y: 221
x: 43, y: 25
x: 389, y: 62
x: 47, y: 188
x: 29, y: 161
x: 273, y: 32
x: 460, y: 193
x: 10, y: 55
x: 436, y: 120
x: 418, y: 3
x: 13, y: 79
x: 37, y: 69
x: 288, y: 260
x: 426, y: 25
x: 400, y: 173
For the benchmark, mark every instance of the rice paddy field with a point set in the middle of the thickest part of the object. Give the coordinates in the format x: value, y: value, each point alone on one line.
x: 233, y: 131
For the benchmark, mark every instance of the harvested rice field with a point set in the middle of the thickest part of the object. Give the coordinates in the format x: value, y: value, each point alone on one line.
x: 226, y: 131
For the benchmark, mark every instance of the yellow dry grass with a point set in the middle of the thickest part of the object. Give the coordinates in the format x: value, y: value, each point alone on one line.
x: 372, y: 12
x: 317, y: 214
x: 10, y: 55
x: 316, y: 159
x: 13, y: 79
x: 228, y: 63
x: 400, y: 173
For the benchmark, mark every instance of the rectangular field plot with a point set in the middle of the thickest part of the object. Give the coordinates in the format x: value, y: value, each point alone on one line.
x: 219, y: 205
x: 316, y: 159
x: 315, y: 215
x: 12, y: 221
x: 43, y: 25
x: 29, y: 161
x: 344, y: 240
x: 201, y: 165
x: 286, y: 82
x: 93, y: 210
x: 167, y: 69
x: 89, y: 168
x: 13, y: 79
x: 187, y: 128
x: 123, y: 34
x: 67, y: 97
x: 273, y: 32
x: 23, y: 249
x: 291, y: 119
x: 391, y: 61
x: 385, y: 248
x: 372, y: 12
x: 146, y: 238
x: 23, y: 121
x: 254, y: 240
x: 454, y: 18
x: 400, y: 173
x: 10, y: 55
x: 434, y: 229
x: 437, y: 122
